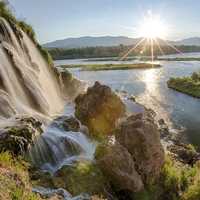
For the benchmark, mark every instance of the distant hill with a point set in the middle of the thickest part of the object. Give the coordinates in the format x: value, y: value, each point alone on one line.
x: 110, y: 41
x: 91, y: 42
x: 193, y: 41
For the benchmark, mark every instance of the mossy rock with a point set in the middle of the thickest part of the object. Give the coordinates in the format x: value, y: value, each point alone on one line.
x: 83, y: 177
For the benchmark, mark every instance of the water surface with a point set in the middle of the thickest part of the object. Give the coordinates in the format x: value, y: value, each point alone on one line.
x: 149, y: 85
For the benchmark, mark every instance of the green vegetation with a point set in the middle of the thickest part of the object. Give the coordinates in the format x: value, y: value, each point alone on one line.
x: 115, y: 51
x: 98, y: 67
x: 14, y: 179
x: 84, y: 177
x: 177, y: 182
x: 188, y: 85
x: 7, y: 14
x: 172, y: 59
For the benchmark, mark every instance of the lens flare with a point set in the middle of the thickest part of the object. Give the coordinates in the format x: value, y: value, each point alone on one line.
x: 152, y: 27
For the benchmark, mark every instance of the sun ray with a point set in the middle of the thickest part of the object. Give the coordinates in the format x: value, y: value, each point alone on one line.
x: 159, y: 47
x: 172, y: 46
x: 132, y: 49
x: 152, y: 51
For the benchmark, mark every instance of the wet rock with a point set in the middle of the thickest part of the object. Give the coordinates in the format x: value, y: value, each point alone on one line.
x: 99, y: 109
x: 163, y: 129
x: 19, y: 135
x: 68, y: 123
x: 132, y: 98
x: 70, y: 86
x: 118, y: 166
x: 184, y: 153
x: 140, y: 136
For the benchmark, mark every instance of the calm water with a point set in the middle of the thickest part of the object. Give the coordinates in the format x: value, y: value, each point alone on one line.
x: 149, y: 85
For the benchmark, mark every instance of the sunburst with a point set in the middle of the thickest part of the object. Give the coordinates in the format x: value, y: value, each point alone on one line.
x: 152, y: 30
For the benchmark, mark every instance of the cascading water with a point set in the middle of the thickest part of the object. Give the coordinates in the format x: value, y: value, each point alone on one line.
x: 28, y: 85
x: 25, y: 76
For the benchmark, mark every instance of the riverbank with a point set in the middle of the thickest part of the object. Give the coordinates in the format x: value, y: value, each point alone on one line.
x: 187, y: 85
x: 100, y: 67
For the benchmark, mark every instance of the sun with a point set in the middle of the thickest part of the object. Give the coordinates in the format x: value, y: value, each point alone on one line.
x: 152, y: 27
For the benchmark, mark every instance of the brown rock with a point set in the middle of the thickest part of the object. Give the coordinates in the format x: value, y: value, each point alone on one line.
x: 99, y: 109
x: 118, y: 166
x: 140, y: 136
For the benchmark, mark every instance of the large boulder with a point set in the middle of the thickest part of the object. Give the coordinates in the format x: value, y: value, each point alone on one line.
x: 140, y: 136
x: 19, y: 134
x: 99, y: 109
x: 117, y: 164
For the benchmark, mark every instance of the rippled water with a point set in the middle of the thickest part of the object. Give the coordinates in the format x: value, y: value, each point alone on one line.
x: 149, y: 85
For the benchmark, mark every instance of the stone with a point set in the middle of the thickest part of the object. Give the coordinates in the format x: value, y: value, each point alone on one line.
x: 68, y: 123
x: 19, y: 134
x: 118, y: 166
x: 99, y: 109
x: 81, y: 177
x: 139, y: 134
x: 184, y: 153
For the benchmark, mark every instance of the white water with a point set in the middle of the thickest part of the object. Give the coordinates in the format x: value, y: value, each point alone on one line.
x: 26, y: 79
x: 29, y: 86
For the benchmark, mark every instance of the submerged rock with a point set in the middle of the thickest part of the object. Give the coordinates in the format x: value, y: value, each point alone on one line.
x: 117, y: 164
x: 99, y: 109
x: 140, y: 136
x: 19, y: 135
x: 68, y: 123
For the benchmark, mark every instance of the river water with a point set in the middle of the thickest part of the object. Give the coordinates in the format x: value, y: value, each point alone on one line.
x: 181, y: 111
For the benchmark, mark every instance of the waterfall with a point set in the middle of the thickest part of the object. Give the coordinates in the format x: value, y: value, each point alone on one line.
x: 57, y: 147
x: 27, y: 82
x: 28, y: 85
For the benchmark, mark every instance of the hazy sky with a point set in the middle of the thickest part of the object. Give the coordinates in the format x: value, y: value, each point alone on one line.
x: 74, y: 18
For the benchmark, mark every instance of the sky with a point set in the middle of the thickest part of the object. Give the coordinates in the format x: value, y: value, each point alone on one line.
x: 53, y: 20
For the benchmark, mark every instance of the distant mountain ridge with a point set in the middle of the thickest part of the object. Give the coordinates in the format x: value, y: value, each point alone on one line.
x: 89, y: 41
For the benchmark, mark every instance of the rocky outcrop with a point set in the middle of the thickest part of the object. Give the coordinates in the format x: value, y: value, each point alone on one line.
x: 140, y: 136
x: 68, y: 123
x: 19, y: 135
x: 99, y: 109
x: 70, y: 86
x: 184, y: 153
x: 135, y: 156
x: 117, y: 164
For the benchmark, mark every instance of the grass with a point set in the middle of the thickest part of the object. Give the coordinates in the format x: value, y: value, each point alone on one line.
x: 14, y: 179
x: 177, y: 182
x: 187, y: 85
x: 172, y: 59
x: 100, y: 67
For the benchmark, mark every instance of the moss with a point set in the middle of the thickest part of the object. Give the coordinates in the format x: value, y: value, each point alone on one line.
x: 14, y: 179
x: 84, y: 177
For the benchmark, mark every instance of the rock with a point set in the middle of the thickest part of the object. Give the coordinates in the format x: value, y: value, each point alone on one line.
x: 132, y: 98
x: 118, y: 166
x: 82, y: 177
x: 68, y: 123
x: 163, y: 129
x: 19, y: 135
x: 99, y: 109
x: 140, y: 136
x: 184, y: 153
x: 70, y: 86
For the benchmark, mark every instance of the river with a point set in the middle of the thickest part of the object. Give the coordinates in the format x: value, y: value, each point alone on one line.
x: 181, y: 111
